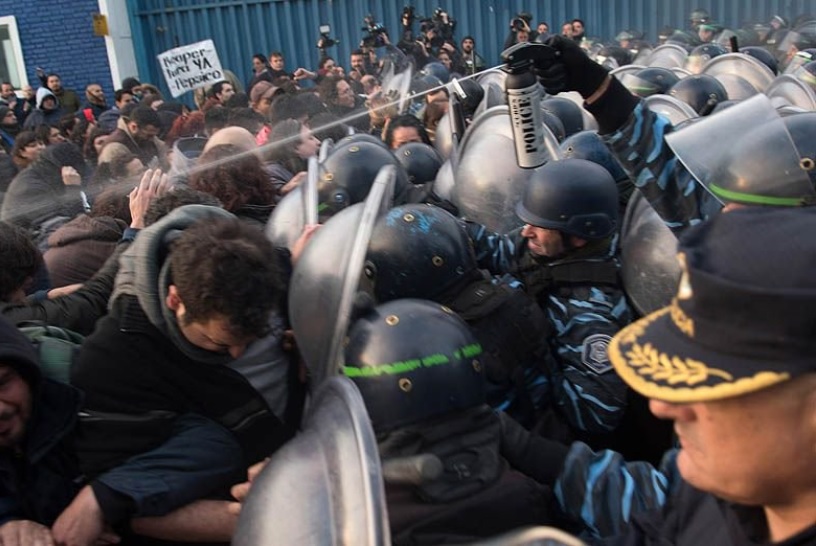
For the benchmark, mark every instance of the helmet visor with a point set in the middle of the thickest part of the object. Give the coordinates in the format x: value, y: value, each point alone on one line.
x: 744, y: 154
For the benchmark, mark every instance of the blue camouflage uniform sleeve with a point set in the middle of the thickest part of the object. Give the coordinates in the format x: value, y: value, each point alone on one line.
x: 602, y: 492
x: 640, y: 147
x: 495, y: 252
x: 584, y: 387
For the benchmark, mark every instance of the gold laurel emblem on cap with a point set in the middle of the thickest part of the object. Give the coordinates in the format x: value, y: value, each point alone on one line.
x: 658, y: 366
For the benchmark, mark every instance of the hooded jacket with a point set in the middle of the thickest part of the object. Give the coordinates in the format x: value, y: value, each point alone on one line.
x: 38, y: 195
x: 139, y: 371
x: 39, y: 479
x: 44, y: 117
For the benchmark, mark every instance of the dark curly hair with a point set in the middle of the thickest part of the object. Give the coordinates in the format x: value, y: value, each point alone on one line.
x: 19, y: 259
x: 177, y: 197
x: 235, y: 177
x: 225, y: 268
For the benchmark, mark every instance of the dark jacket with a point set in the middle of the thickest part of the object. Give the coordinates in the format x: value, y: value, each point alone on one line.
x: 136, y: 368
x: 38, y: 481
x: 78, y: 249
x: 96, y: 109
x: 41, y: 479
x: 77, y: 311
x: 492, y: 477
x: 68, y: 100
x: 37, y: 196
x: 38, y: 116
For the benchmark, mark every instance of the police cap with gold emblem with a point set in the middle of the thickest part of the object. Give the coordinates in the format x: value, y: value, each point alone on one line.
x: 744, y: 315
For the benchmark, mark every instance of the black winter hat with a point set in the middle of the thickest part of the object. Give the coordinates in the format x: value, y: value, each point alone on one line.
x: 129, y: 83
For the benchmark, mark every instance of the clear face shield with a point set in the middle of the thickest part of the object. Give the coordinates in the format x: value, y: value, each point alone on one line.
x: 745, y: 154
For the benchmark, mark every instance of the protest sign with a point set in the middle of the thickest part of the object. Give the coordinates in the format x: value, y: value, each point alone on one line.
x: 189, y: 67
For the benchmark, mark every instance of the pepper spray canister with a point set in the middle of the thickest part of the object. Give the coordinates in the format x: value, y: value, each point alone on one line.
x: 524, y: 98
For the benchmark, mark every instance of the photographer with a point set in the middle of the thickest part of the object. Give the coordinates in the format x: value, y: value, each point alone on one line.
x: 520, y: 30
x: 434, y: 32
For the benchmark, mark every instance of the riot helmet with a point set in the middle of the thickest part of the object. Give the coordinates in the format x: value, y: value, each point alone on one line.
x: 474, y: 95
x: 747, y: 172
x: 588, y: 145
x: 762, y: 55
x: 554, y: 124
x: 574, y: 196
x: 701, y: 54
x: 614, y: 56
x: 357, y: 138
x: 700, y: 91
x: 437, y: 70
x: 421, y: 161
x: 417, y: 251
x: 749, y: 154
x: 567, y: 111
x: 349, y: 171
x: 413, y: 360
x: 802, y: 130
x: 649, y: 81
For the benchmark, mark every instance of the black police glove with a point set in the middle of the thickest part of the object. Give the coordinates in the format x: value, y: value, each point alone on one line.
x: 572, y: 70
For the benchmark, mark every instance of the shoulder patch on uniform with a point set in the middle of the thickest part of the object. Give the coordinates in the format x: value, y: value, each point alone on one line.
x: 593, y: 353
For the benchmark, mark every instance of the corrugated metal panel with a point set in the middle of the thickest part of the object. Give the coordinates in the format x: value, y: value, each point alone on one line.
x: 243, y: 28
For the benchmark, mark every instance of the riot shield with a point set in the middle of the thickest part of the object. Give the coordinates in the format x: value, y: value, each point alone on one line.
x: 803, y: 36
x: 675, y: 110
x: 743, y: 150
x: 667, y: 56
x: 325, y: 486
x: 788, y: 90
x: 325, y: 149
x: 736, y: 87
x: 297, y: 209
x: 487, y: 191
x: 680, y: 72
x: 622, y: 71
x: 649, y: 257
x: 444, y: 137
x: 397, y: 86
x: 287, y: 220
x: 327, y: 275
x: 309, y: 192
x: 744, y: 66
x: 443, y: 185
x: 492, y: 81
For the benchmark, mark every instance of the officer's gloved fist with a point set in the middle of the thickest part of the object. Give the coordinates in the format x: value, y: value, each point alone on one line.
x: 572, y: 70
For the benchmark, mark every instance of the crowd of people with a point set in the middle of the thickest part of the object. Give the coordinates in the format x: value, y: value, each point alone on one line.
x: 149, y: 367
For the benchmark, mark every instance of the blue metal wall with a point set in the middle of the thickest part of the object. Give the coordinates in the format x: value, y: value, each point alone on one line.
x: 241, y: 28
x: 58, y: 36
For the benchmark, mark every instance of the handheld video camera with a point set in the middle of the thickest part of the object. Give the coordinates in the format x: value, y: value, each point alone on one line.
x: 325, y: 40
x: 520, y: 22
x: 376, y: 33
